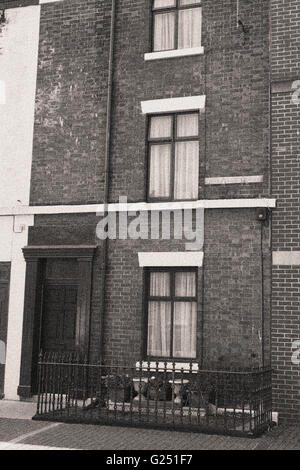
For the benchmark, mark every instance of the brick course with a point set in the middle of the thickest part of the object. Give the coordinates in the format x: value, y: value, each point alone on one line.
x: 285, y: 17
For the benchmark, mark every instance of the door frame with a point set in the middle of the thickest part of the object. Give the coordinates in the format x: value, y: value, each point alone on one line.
x: 32, y: 320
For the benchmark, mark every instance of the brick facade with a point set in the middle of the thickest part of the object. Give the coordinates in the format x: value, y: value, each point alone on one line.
x: 237, y: 287
x: 285, y: 16
x: 68, y: 164
x: 70, y: 115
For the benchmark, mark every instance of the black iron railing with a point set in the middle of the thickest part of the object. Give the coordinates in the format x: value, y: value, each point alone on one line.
x: 158, y: 395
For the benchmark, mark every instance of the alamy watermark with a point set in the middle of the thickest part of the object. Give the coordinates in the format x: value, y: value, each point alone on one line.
x: 178, y: 224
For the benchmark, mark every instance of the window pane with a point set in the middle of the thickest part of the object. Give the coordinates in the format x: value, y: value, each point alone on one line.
x: 184, y: 331
x: 185, y: 284
x: 164, y: 30
x: 160, y: 284
x: 189, y: 28
x: 187, y: 125
x: 164, y: 3
x: 186, y: 170
x: 159, y: 328
x: 161, y: 127
x: 160, y: 168
x: 189, y: 2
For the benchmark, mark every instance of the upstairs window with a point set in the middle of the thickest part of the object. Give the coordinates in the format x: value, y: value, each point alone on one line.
x: 176, y: 24
x: 173, y: 157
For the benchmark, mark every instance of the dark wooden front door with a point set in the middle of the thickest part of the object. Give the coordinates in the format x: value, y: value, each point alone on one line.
x: 3, y: 332
x: 59, y: 318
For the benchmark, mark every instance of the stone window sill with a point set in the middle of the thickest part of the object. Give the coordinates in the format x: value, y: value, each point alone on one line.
x: 174, y: 53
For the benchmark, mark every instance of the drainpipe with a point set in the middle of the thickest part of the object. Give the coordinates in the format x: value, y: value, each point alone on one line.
x: 107, y: 166
x: 109, y: 102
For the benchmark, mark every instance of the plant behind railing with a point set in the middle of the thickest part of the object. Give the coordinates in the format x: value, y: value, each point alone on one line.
x: 154, y: 394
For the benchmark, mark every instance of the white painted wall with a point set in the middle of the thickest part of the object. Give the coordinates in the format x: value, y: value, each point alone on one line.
x: 19, y: 38
x: 16, y: 306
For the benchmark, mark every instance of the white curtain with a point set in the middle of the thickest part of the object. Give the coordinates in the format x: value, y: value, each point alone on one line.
x: 165, y: 3
x: 160, y: 168
x: 186, y: 170
x: 164, y: 31
x: 187, y: 125
x: 159, y: 284
x: 185, y: 284
x: 184, y: 333
x: 189, y: 28
x: 160, y: 127
x: 159, y: 327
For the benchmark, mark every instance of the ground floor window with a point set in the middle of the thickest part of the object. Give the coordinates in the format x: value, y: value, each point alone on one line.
x: 172, y: 313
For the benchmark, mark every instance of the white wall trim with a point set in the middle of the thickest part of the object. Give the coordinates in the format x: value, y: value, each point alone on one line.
x: 140, y: 206
x: 49, y: 1
x: 171, y: 259
x: 286, y: 258
x: 234, y: 180
x: 171, y: 105
x: 174, y: 53
x: 160, y: 367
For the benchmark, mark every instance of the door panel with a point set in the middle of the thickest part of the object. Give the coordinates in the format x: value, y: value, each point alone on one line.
x: 3, y: 332
x: 59, y: 318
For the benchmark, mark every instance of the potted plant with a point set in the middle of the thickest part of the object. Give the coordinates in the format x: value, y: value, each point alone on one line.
x: 119, y: 388
x: 159, y: 389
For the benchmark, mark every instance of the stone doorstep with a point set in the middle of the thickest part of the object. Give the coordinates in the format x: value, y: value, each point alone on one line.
x: 17, y: 409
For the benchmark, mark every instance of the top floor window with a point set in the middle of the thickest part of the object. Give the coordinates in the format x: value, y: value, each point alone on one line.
x: 176, y: 24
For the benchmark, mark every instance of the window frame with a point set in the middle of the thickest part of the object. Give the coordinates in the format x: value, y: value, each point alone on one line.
x: 171, y: 140
x: 171, y: 299
x: 176, y: 9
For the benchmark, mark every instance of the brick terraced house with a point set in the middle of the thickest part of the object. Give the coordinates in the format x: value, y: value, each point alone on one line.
x: 175, y: 105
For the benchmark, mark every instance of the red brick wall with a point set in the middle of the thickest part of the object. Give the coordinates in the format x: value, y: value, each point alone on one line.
x: 232, y: 74
x: 237, y: 310
x: 69, y: 136
x: 285, y: 330
x: 285, y: 181
x: 70, y: 115
x: 229, y: 302
x: 69, y: 150
x: 285, y: 17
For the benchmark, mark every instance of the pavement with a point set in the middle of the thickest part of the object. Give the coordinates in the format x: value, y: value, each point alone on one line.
x: 24, y: 434
x: 17, y: 409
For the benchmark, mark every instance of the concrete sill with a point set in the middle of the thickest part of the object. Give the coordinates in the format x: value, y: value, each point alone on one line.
x: 173, y: 54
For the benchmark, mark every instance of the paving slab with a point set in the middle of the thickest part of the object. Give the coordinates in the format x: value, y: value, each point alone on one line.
x: 17, y: 409
x: 35, y: 434
x: 8, y: 446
